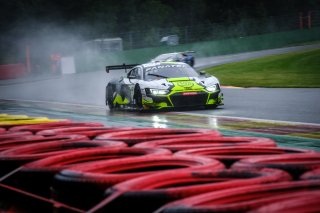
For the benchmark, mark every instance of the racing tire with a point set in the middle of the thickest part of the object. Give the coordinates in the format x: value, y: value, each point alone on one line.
x: 7, y: 166
x: 83, y: 186
x: 13, y: 135
x: 148, y: 193
x: 295, y: 164
x: 311, y: 175
x: 34, y: 128
x: 231, y: 154
x: 90, y: 132
x: 301, y: 202
x: 242, y: 199
x: 137, y: 135
x: 42, y: 171
x: 138, y: 96
x: 183, y: 143
x: 109, y: 96
x: 25, y: 178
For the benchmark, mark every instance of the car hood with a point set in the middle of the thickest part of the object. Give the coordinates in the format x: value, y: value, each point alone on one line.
x: 184, y: 83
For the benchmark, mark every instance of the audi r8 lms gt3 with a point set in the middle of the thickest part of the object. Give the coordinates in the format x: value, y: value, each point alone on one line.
x: 186, y: 57
x: 162, y: 85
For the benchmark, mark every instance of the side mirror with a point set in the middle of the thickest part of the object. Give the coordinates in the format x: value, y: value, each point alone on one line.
x: 202, y: 72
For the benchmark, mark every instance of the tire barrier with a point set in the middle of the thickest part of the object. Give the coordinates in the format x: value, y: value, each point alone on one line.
x: 27, y: 153
x: 7, y: 166
x: 2, y: 130
x: 177, y: 144
x: 295, y: 164
x: 53, y: 125
x: 84, y: 185
x: 86, y: 167
x: 90, y: 132
x: 12, y: 142
x: 13, y: 135
x: 241, y: 199
x: 45, y: 169
x: 229, y: 155
x: 300, y: 202
x: 310, y: 175
x: 140, y: 135
x: 7, y: 144
x: 148, y: 193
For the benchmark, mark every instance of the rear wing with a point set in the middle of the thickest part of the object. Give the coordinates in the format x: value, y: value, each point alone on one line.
x: 120, y: 67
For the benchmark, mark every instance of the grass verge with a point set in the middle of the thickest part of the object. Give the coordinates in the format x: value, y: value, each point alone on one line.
x: 290, y: 70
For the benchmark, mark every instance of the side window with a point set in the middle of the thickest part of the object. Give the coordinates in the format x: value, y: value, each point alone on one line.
x: 139, y: 73
x: 135, y: 73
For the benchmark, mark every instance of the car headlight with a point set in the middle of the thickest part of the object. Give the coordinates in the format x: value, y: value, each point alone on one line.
x: 211, y: 88
x: 159, y: 91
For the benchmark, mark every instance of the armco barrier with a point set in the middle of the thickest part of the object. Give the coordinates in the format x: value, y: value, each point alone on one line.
x: 84, y: 185
x: 137, y: 136
x: 53, y: 125
x: 230, y: 154
x: 148, y: 193
x: 295, y: 164
x: 10, y: 71
x: 241, y: 199
x: 43, y: 171
x: 182, y: 143
x: 90, y: 132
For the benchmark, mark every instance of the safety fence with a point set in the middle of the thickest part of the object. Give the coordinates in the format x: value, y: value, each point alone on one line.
x: 67, y: 166
x: 216, y: 31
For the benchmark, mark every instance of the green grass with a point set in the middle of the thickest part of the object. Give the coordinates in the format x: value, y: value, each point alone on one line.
x: 297, y: 69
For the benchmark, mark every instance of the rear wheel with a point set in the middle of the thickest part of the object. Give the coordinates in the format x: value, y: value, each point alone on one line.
x: 109, y: 96
x: 138, y: 96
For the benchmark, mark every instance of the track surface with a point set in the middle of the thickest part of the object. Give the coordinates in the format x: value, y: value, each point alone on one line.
x: 299, y: 105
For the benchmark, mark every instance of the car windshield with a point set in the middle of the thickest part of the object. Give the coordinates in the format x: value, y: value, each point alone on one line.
x: 164, y: 57
x: 169, y: 71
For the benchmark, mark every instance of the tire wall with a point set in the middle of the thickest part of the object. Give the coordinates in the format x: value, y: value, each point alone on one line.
x: 52, y: 165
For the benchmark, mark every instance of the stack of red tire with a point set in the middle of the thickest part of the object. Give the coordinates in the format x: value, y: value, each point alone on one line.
x: 93, y: 168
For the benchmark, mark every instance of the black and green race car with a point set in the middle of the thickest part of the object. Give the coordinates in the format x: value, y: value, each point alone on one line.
x: 162, y: 85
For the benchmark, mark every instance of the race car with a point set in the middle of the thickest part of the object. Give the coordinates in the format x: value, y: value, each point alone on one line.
x: 162, y: 85
x: 186, y: 57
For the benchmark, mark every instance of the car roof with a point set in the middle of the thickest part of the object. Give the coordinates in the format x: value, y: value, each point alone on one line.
x: 152, y: 64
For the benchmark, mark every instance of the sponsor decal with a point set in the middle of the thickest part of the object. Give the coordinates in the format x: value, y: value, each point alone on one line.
x: 164, y: 66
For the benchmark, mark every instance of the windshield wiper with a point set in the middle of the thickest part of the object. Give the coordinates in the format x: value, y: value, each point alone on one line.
x: 161, y: 76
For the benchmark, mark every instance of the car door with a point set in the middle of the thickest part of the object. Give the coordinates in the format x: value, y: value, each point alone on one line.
x: 133, y: 77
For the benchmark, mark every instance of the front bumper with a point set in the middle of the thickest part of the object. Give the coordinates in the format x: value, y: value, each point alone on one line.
x: 183, y: 99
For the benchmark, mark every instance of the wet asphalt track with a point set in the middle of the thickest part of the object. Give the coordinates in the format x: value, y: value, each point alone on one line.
x: 299, y: 105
